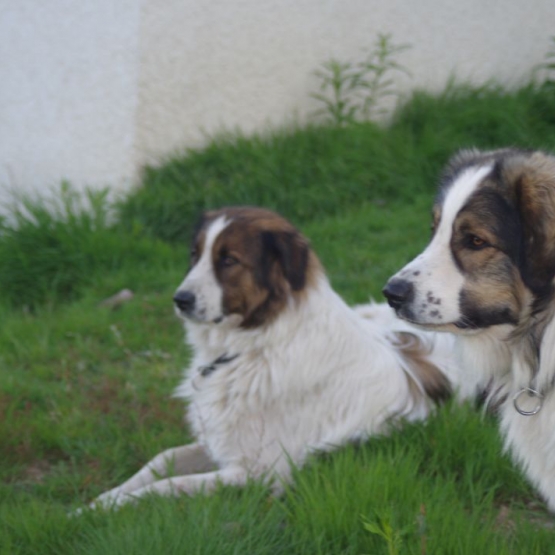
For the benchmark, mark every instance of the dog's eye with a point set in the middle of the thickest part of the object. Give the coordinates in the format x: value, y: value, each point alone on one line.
x: 228, y: 261
x: 476, y: 243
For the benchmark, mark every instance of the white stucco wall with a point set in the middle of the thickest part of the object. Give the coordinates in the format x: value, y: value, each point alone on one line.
x: 68, y: 93
x: 90, y: 91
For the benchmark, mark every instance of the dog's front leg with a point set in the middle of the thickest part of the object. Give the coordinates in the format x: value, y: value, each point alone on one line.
x: 188, y: 459
x: 189, y: 485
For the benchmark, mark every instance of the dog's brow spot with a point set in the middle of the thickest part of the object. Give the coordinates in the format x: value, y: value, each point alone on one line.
x: 417, y: 273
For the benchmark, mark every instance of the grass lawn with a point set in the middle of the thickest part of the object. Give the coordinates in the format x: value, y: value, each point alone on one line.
x: 85, y: 391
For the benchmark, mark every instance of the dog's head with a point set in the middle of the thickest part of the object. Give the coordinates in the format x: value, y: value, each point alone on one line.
x: 491, y: 259
x: 246, y: 263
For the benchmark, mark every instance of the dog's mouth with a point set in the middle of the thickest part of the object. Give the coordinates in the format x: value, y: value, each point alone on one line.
x: 428, y: 326
x: 423, y: 311
x: 184, y: 314
x: 466, y: 326
x: 458, y: 327
x: 199, y: 320
x: 197, y: 317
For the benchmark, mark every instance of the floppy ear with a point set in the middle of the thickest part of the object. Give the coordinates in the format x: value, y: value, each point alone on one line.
x: 534, y: 179
x: 290, y: 250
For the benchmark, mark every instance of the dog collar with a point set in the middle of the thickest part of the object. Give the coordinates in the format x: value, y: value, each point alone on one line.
x: 207, y: 369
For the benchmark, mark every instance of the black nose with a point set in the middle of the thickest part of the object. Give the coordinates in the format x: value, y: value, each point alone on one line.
x: 184, y: 300
x: 398, y: 292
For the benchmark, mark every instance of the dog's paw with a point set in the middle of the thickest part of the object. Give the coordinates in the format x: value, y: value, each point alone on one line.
x: 112, y: 499
x: 108, y: 501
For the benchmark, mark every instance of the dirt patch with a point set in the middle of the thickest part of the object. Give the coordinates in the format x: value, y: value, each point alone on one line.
x: 36, y: 472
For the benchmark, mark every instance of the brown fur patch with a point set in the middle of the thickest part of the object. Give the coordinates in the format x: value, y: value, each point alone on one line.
x: 260, y: 260
x: 533, y: 181
x: 434, y: 382
x: 493, y: 281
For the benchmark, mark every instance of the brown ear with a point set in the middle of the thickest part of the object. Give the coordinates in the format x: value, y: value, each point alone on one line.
x: 534, y: 179
x: 290, y: 250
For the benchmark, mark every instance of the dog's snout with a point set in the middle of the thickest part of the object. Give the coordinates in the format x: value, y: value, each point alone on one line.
x: 184, y: 300
x: 398, y: 292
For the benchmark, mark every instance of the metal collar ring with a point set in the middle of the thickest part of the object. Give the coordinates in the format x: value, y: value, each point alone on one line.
x: 531, y: 393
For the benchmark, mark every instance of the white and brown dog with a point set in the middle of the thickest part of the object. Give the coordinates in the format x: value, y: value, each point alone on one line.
x: 282, y: 367
x: 488, y: 276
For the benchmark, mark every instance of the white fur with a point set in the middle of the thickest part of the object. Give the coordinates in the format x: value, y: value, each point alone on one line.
x: 319, y: 375
x: 530, y: 439
x: 201, y: 280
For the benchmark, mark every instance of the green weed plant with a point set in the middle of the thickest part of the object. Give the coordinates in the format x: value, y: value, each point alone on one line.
x: 355, y: 91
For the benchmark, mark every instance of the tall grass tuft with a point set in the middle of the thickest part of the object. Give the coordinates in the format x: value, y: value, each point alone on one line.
x: 51, y: 249
x: 485, y: 117
x: 299, y: 172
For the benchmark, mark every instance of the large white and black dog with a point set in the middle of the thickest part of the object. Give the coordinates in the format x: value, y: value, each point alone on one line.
x: 282, y: 367
x: 488, y: 276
